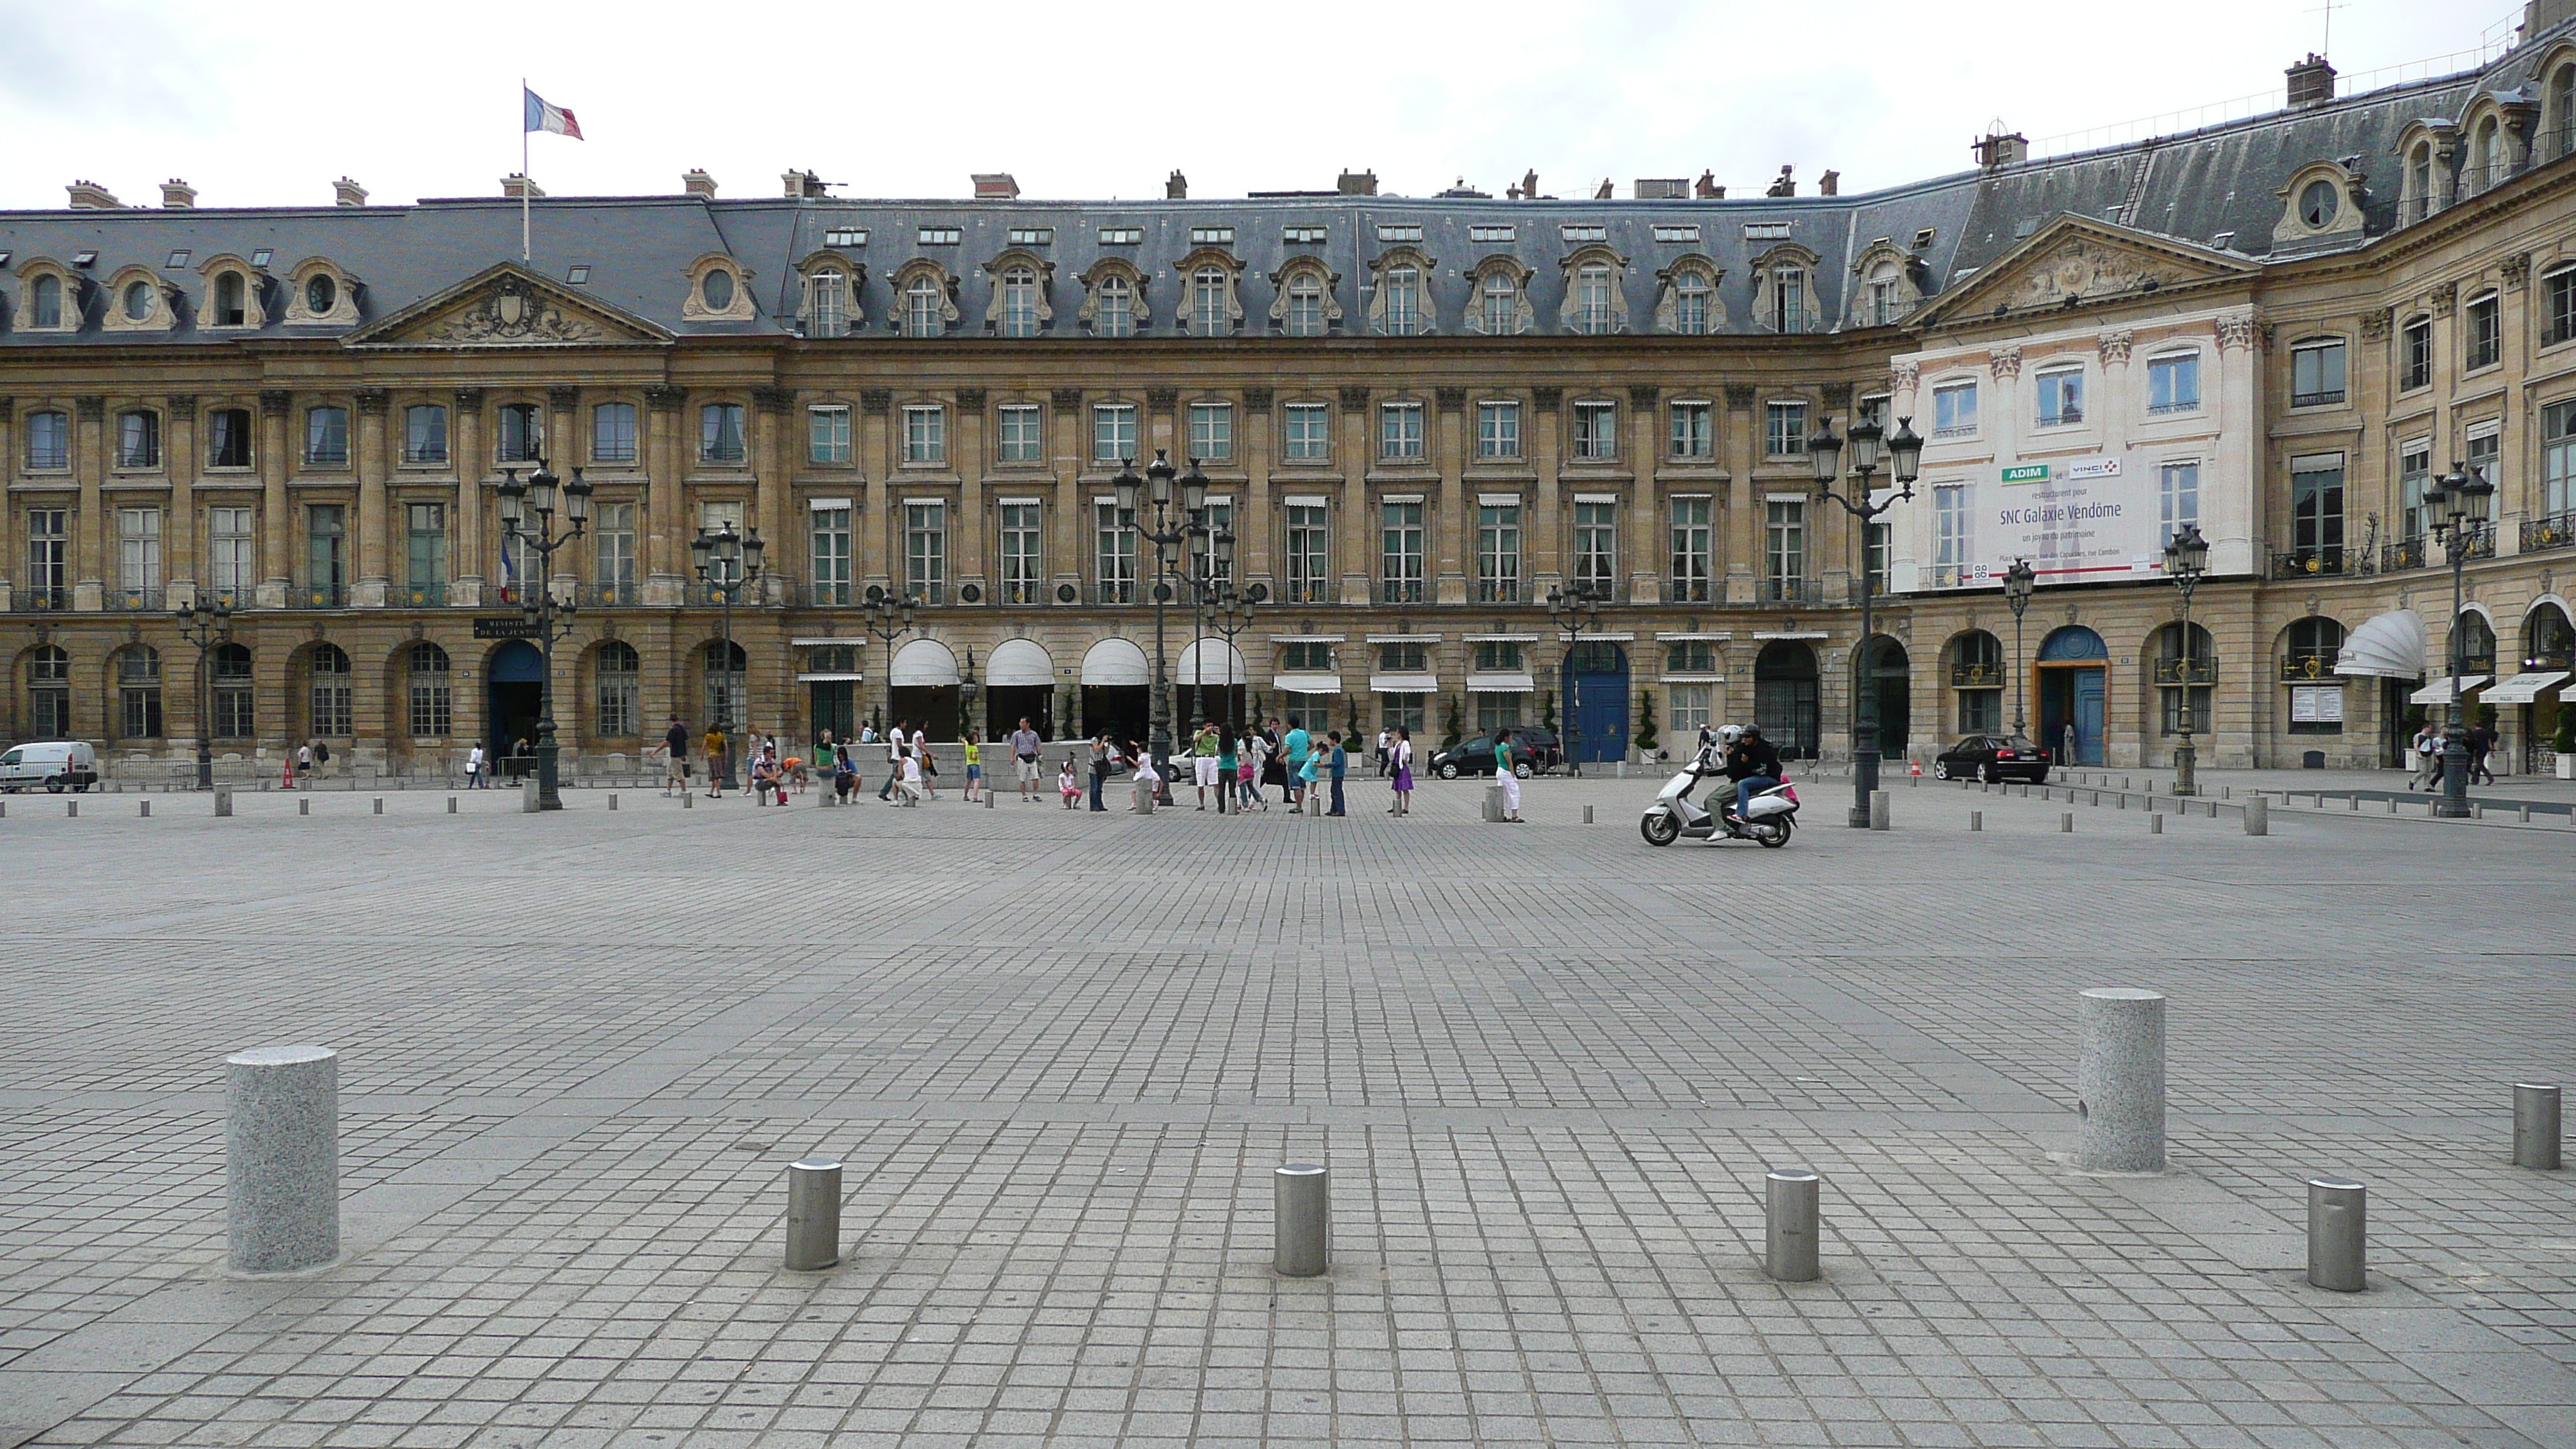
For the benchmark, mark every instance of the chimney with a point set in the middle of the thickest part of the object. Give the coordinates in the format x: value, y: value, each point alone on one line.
x: 1177, y: 188
x: 516, y: 185
x: 90, y: 196
x: 801, y: 184
x: 177, y: 195
x: 1357, y: 183
x: 1786, y: 185
x: 345, y: 192
x: 1602, y: 193
x: 1830, y: 184
x: 694, y: 182
x: 2001, y: 148
x: 2311, y: 81
x: 996, y: 186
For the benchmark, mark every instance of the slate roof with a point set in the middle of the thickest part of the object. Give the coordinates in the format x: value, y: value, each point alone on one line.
x: 2220, y: 182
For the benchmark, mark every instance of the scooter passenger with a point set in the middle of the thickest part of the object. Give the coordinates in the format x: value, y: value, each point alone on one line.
x: 1754, y: 767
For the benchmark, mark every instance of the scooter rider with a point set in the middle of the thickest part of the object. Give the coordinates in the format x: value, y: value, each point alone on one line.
x: 1754, y: 767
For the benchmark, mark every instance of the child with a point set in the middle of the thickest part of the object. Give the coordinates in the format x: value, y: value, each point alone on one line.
x: 1067, y: 786
x: 974, y: 769
x: 1247, y: 777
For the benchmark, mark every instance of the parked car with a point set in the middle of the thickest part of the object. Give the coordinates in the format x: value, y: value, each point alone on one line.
x: 1992, y: 757
x: 53, y: 764
x: 1474, y: 755
x: 1545, y: 748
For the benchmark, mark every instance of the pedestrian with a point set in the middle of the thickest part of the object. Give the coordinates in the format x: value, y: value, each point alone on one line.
x: 1296, y: 748
x: 912, y: 789
x: 1148, y: 779
x: 895, y: 743
x: 974, y: 751
x: 1204, y: 766
x: 1307, y: 776
x: 1024, y: 752
x: 764, y: 777
x: 1340, y: 762
x: 1402, y: 749
x: 824, y: 745
x: 1504, y: 777
x: 1226, y: 766
x: 304, y: 766
x: 2066, y: 756
x: 929, y: 766
x: 1066, y: 785
x: 714, y: 746
x: 1247, y: 779
x: 1385, y: 745
x: 2428, y: 758
x: 1100, y: 757
x: 2482, y: 741
x: 845, y: 774
x: 474, y: 768
x: 675, y: 758
x: 322, y: 757
x: 1274, y: 769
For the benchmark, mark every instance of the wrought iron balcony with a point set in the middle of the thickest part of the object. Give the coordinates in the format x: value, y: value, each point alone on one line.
x: 2558, y: 530
x: 2406, y: 553
x: 2186, y: 671
x: 2309, y: 563
x: 2478, y: 539
x: 1789, y: 592
x: 318, y: 596
x: 1976, y: 676
x: 608, y: 596
x: 2303, y: 664
x: 39, y: 601
x: 134, y: 600
x: 420, y: 596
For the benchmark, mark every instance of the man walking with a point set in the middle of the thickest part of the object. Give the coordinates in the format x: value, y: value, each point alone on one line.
x: 1024, y: 750
x: 714, y: 746
x: 896, y: 742
x: 1203, y: 769
x: 1385, y: 742
x: 1341, y: 762
x: 1298, y: 745
x: 675, y: 764
x: 2482, y: 740
x: 474, y: 768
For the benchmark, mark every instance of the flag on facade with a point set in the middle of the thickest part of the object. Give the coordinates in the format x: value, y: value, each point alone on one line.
x: 540, y: 116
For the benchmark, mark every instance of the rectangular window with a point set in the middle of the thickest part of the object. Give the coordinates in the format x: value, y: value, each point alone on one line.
x: 1019, y: 440
x: 1981, y: 711
x: 232, y: 553
x: 2479, y: 456
x: 1309, y: 552
x: 925, y: 551
x: 424, y: 433
x: 1694, y: 434
x: 612, y: 433
x: 521, y: 437
x: 138, y: 439
x: 1115, y: 554
x: 1949, y: 535
x: 2173, y: 383
x: 1582, y: 231
x: 1690, y: 709
x: 1596, y: 546
x: 1876, y: 543
x: 1498, y: 553
x: 1211, y: 236
x: 1212, y: 432
x: 2415, y: 354
x: 1499, y: 656
x: 612, y: 552
x: 1691, y: 536
x: 425, y: 548
x: 138, y: 549
x: 1306, y: 656
x: 2177, y: 500
x: 925, y: 436
x: 332, y: 713
x: 616, y: 695
x: 1400, y: 553
x: 1122, y: 236
x: 1400, y: 432
x: 1677, y: 233
x: 845, y: 236
x: 1784, y: 430
x: 1397, y: 232
x: 49, y: 557
x: 2317, y: 373
x: 2558, y: 321
x: 827, y: 434
x: 1789, y: 299
x: 940, y: 236
x: 1302, y: 236
x: 1954, y: 410
x: 1219, y: 519
x: 1403, y: 659
x: 1113, y: 432
x: 2414, y: 479
x: 2558, y: 457
x: 831, y: 552
x: 827, y: 312
x: 1596, y: 431
x: 1784, y: 550
x: 1496, y: 710
x: 720, y: 433
x: 49, y: 441
x: 1021, y: 534
x: 2061, y: 398
x: 2316, y: 506
x: 1485, y: 234
x: 1309, y: 437
x: 326, y: 554
x: 138, y: 678
x: 326, y: 438
x: 227, y: 438
x: 1403, y: 712
x: 2486, y: 332
x: 1032, y: 236
x: 1498, y: 430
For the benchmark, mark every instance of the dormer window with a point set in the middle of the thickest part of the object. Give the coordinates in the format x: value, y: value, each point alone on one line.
x: 231, y: 306
x: 717, y: 290
x: 260, y: 258
x: 1787, y: 301
x: 45, y: 303
x: 827, y: 310
x: 1114, y: 308
x: 2320, y: 201
x: 1305, y: 305
x: 1690, y: 302
x: 921, y: 308
x: 321, y: 294
x: 1019, y: 302
x: 1403, y: 309
x: 138, y: 301
x: 1592, y: 299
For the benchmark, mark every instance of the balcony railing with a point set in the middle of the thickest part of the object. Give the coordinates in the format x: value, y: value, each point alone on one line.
x: 2186, y: 671
x: 2304, y: 664
x: 2478, y: 539
x: 831, y: 593
x: 1976, y: 676
x: 134, y: 600
x: 318, y: 596
x: 39, y: 601
x: 420, y: 596
x: 1690, y: 591
x: 2406, y: 553
x: 2558, y: 530
x: 1789, y: 592
x: 1399, y: 591
x: 2309, y: 563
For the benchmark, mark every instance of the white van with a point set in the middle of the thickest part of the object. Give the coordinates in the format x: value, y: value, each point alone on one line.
x: 50, y: 763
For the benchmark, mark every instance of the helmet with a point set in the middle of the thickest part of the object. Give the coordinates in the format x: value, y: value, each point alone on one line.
x: 1753, y: 732
x: 1730, y: 734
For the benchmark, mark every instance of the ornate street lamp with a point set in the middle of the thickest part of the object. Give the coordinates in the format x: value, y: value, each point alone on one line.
x: 528, y: 511
x: 2019, y: 580
x: 889, y: 619
x: 1173, y: 527
x: 2186, y: 559
x: 1903, y: 457
x: 2452, y: 500
x: 1573, y: 611
x: 727, y: 564
x: 1228, y: 612
x: 205, y: 626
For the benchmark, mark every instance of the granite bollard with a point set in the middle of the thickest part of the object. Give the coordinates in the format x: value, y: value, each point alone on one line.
x: 2536, y: 1135
x: 813, y: 1213
x: 1789, y: 1229
x: 304, y: 806
x: 2338, y: 1234
x: 223, y: 804
x: 2120, y: 1080
x: 2258, y: 814
x: 282, y: 1157
x: 1878, y: 808
x: 1301, y: 1220
x: 1977, y: 820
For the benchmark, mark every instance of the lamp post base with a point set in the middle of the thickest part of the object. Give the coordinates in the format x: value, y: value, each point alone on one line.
x: 1864, y: 784
x: 205, y: 768
x: 548, y: 797
x: 2453, y: 802
x: 2185, y: 758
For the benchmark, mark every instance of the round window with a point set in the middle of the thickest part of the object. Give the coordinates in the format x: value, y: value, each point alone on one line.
x: 2319, y: 203
x: 138, y: 300
x: 718, y: 290
x: 321, y: 295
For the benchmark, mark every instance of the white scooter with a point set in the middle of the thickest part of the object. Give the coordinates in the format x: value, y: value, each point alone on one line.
x: 1770, y: 816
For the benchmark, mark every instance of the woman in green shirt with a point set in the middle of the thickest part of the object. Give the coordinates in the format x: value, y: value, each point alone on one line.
x: 974, y: 767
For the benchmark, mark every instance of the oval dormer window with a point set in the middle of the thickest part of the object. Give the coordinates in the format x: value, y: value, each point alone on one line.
x: 138, y: 301
x: 717, y: 289
x: 2319, y: 203
x: 321, y: 295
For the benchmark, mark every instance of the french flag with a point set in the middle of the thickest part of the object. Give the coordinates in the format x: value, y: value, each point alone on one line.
x: 539, y: 116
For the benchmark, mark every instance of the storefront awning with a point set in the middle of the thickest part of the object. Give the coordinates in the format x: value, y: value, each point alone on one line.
x: 1500, y: 684
x: 1404, y: 684
x: 831, y: 678
x: 2440, y: 691
x: 1019, y: 664
x: 1307, y: 683
x: 923, y: 664
x: 2390, y: 646
x: 2523, y: 688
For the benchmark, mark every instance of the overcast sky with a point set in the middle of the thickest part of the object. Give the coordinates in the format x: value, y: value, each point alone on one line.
x: 1099, y: 99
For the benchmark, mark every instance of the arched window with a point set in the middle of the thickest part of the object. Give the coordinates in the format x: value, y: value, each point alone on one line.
x: 1977, y: 673
x: 1499, y: 304
x: 2420, y: 199
x: 725, y: 683
x: 1592, y: 299
x: 2486, y: 155
x: 49, y: 692
x: 321, y: 294
x: 330, y: 693
x: 827, y: 309
x: 2477, y: 643
x: 138, y: 301
x: 1786, y: 305
x: 432, y: 700
x: 922, y: 309
x: 138, y: 692
x: 231, y: 307
x: 1402, y: 312
x: 2311, y: 647
x: 615, y: 672
x: 1114, y: 308
x: 45, y: 302
x: 1690, y: 302
x: 2186, y: 670
x: 231, y: 668
x: 1305, y: 305
x: 1209, y: 312
x: 2562, y: 111
x: 2549, y: 642
x: 1020, y: 302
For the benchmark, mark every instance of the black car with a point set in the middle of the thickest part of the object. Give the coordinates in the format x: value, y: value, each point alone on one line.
x: 1546, y: 750
x: 1992, y: 757
x: 1474, y: 755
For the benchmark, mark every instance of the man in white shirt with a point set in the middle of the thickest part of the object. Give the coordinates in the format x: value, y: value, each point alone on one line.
x: 474, y: 769
x: 895, y: 750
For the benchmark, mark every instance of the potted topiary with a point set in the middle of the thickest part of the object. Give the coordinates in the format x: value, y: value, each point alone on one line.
x: 2565, y: 741
x: 1646, y: 723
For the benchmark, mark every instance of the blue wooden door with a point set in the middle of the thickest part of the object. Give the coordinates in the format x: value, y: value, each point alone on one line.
x: 1596, y: 684
x: 2088, y: 716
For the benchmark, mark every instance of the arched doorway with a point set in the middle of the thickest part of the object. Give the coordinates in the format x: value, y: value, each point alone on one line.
x: 921, y: 686
x: 1019, y: 684
x: 1210, y: 685
x: 1117, y: 690
x: 2074, y: 671
x: 1888, y: 675
x: 1595, y: 685
x: 514, y: 677
x: 1784, y: 697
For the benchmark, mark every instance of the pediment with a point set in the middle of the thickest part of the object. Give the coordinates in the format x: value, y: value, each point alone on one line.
x: 2076, y: 260
x: 508, y: 306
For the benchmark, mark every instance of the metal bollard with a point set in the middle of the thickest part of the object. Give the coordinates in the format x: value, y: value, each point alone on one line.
x: 1976, y: 820
x: 612, y: 799
x: 988, y: 795
x: 282, y: 1158
x: 71, y: 809
x: 2477, y: 810
x: 2258, y: 815
x: 1301, y: 1220
x: 451, y: 804
x: 2535, y: 1126
x: 2156, y: 823
x: 2352, y: 804
x: 223, y: 804
x: 1878, y: 808
x: 2338, y: 1234
x: 304, y: 806
x: 2392, y: 804
x: 2066, y: 823
x: 2523, y: 817
x: 380, y: 805
x: 1587, y: 814
x: 688, y: 800
x: 813, y: 1213
x: 1789, y: 1199
x: 2120, y: 1080
x: 147, y: 808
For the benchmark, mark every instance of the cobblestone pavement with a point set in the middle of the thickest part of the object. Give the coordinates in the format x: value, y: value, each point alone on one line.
x: 1060, y: 1053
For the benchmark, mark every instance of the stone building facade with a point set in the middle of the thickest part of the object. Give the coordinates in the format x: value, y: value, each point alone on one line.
x: 1418, y: 417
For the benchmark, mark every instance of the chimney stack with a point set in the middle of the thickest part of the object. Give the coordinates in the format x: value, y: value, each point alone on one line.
x: 1786, y: 185
x: 800, y: 185
x: 90, y: 196
x: 996, y: 186
x: 1357, y: 183
x: 2311, y: 81
x: 1706, y: 188
x: 2001, y: 148
x: 694, y: 182
x: 1177, y: 188
x: 177, y: 195
x: 345, y: 192
x: 516, y: 185
x: 1830, y: 184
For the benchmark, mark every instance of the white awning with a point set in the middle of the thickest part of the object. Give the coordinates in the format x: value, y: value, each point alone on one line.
x: 1404, y: 684
x: 1307, y: 683
x: 922, y: 664
x: 2390, y: 646
x: 2523, y: 688
x: 2440, y: 691
x: 1500, y: 684
x: 1211, y: 662
x: 826, y: 677
x: 1116, y: 661
x: 1019, y: 664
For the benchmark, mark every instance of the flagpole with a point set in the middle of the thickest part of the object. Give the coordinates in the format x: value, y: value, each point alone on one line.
x: 524, y: 182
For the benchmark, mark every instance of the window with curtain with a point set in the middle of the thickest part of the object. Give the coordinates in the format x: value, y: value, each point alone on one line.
x: 1498, y: 553
x: 616, y: 692
x: 1309, y: 553
x: 1400, y: 553
x: 424, y: 433
x: 720, y: 433
x: 326, y: 437
x: 428, y: 694
x: 1691, y: 541
x: 612, y: 433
